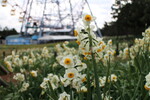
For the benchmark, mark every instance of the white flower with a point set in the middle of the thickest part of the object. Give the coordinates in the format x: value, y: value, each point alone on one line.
x: 65, y: 81
x: 9, y: 66
x: 33, y: 73
x: 148, y: 78
x: 147, y: 84
x: 32, y: 54
x: 24, y: 87
x: 82, y: 67
x: 76, y: 83
x: 82, y: 77
x: 77, y: 60
x: 102, y: 81
x: 109, y: 42
x: 13, y: 53
x: 106, y: 97
x: 83, y: 89
x: 77, y: 31
x: 43, y: 85
x: 106, y: 57
x: 22, y: 70
x: 113, y: 77
x: 25, y: 59
x: 71, y: 73
x: 66, y: 42
x: 19, y: 77
x: 55, y: 64
x: 17, y: 62
x: 67, y: 61
x: 54, y: 81
x: 87, y: 18
x: 30, y: 61
x: 45, y: 50
x: 64, y: 96
x: 147, y: 30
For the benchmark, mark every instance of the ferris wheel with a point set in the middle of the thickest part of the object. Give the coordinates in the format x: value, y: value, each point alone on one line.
x: 47, y: 16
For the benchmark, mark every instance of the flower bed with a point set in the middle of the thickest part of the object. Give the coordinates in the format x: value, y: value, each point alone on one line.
x: 91, y: 72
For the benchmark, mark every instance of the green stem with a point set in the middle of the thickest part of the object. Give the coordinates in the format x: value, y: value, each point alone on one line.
x: 88, y: 85
x: 71, y: 94
x: 108, y: 72
x: 136, y: 90
x: 94, y: 66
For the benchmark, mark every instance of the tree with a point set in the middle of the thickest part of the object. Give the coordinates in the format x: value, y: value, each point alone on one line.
x: 6, y: 32
x: 130, y: 17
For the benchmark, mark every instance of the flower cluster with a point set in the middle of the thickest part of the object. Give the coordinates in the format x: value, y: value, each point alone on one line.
x: 56, y: 72
x: 73, y: 69
x: 140, y: 46
x: 102, y: 80
x: 28, y: 58
x: 24, y: 87
x: 52, y: 80
x: 19, y: 77
x: 102, y: 51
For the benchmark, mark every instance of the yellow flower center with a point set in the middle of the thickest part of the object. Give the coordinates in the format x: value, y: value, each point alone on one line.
x: 114, y: 53
x: 127, y: 53
x: 99, y: 50
x: 83, y: 48
x: 75, y: 33
x: 70, y: 75
x: 101, y: 42
x: 67, y: 61
x: 146, y: 87
x: 109, y: 53
x: 103, y: 47
x: 88, y: 18
x: 87, y: 53
x: 110, y: 42
x: 65, y: 98
x: 78, y: 42
x: 147, y: 31
x: 33, y: 74
x: 85, y: 58
x: 114, y: 78
x: 84, y: 79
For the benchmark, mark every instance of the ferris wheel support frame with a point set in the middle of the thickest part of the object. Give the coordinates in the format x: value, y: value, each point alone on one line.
x: 41, y: 29
x: 26, y: 28
x: 72, y: 17
x: 24, y: 17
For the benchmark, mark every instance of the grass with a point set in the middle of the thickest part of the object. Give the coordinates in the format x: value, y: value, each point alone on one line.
x: 7, y: 49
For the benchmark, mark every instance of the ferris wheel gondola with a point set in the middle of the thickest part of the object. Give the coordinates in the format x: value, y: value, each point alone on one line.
x: 12, y: 12
x: 4, y: 3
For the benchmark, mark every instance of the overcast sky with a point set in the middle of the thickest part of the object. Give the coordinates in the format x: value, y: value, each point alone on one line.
x: 101, y: 10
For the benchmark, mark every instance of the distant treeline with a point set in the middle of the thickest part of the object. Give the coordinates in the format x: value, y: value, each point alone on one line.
x: 6, y: 32
x: 130, y: 17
